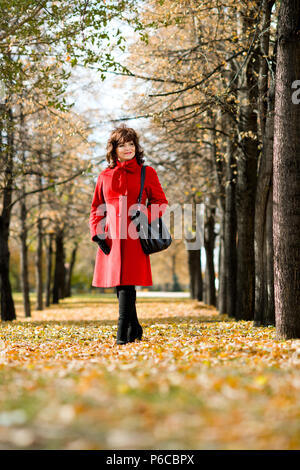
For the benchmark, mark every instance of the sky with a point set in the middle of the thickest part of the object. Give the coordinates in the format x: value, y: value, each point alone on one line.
x: 103, y: 101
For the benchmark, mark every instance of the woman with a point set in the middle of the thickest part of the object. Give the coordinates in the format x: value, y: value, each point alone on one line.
x: 120, y: 260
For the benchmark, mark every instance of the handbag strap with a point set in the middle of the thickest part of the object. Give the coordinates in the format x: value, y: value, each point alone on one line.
x: 102, y: 193
x: 143, y: 174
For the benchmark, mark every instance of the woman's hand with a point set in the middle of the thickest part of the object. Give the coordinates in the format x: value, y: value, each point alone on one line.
x: 102, y: 244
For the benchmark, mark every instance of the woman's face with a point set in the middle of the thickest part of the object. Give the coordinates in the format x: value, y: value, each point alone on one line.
x: 125, y: 151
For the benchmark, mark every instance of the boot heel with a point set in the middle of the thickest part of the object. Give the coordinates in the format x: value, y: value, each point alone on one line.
x: 134, y: 332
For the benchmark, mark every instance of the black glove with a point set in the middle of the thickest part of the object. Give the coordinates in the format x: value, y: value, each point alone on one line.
x: 102, y: 244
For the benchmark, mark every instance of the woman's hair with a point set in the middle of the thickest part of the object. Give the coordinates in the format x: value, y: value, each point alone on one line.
x: 120, y: 135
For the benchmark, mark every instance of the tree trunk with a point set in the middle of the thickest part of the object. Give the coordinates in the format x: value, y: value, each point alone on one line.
x: 230, y: 169
x: 206, y: 284
x: 196, y: 283
x: 7, y: 303
x: 222, y: 301
x: 24, y: 230
x: 286, y: 179
x: 24, y: 259
x: 209, y: 244
x: 192, y: 272
x: 70, y: 271
x: 198, y: 252
x: 219, y: 167
x: 39, y: 249
x: 49, y: 246
x: 264, y: 313
x: 246, y: 182
x: 269, y: 315
x: 59, y: 272
x: 230, y: 229
x: 264, y: 42
x: 198, y: 275
x: 194, y: 255
x: 49, y: 270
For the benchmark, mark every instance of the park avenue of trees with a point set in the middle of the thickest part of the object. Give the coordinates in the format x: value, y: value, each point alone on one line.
x: 219, y: 85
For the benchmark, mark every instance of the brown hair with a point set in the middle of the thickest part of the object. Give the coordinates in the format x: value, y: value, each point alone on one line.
x: 120, y: 135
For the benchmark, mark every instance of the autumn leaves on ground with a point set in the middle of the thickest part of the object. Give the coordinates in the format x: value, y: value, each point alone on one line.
x: 197, y: 380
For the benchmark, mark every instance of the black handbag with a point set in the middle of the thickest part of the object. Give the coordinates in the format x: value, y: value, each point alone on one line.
x: 154, y: 237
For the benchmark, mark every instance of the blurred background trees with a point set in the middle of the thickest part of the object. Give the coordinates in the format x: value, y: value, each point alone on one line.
x: 199, y: 84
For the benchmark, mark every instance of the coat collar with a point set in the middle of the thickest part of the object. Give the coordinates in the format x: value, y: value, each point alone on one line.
x: 128, y: 165
x: 117, y: 174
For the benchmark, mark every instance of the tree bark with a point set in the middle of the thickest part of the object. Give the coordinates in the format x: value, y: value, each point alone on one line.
x: 246, y: 182
x: 70, y: 271
x: 269, y: 315
x: 24, y: 230
x: 219, y: 167
x: 209, y: 244
x: 59, y: 272
x: 7, y: 304
x: 196, y: 282
x: 39, y: 249
x: 24, y: 259
x: 264, y: 42
x: 230, y: 229
x: 49, y: 270
x: 194, y: 255
x: 222, y: 278
x: 192, y: 272
x: 264, y: 313
x: 286, y: 178
x: 198, y: 275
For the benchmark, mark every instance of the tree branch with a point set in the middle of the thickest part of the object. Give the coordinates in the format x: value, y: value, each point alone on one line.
x: 48, y: 187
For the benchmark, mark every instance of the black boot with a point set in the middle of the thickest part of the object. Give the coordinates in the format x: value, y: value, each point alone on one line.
x: 135, y: 331
x: 126, y: 300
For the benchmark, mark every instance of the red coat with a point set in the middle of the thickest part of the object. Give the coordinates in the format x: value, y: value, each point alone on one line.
x: 118, y: 188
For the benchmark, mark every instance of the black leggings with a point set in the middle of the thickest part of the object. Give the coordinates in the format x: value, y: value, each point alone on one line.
x: 127, y: 296
x: 129, y: 290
